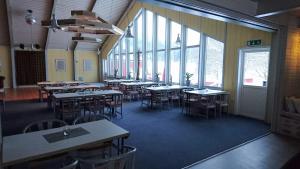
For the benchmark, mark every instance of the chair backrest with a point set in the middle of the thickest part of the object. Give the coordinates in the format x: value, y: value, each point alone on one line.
x: 44, y: 125
x: 124, y: 160
x: 72, y: 165
x: 89, y: 118
x: 223, y: 98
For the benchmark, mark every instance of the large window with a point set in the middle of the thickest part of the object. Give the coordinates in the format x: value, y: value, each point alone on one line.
x: 123, y: 57
x: 131, y: 64
x: 158, y: 43
x: 149, y: 44
x: 139, y: 45
x: 175, y: 52
x: 213, y: 75
x: 161, y: 47
x: 117, y: 60
x: 130, y: 53
x: 174, y: 65
x: 161, y: 65
x: 161, y: 32
x: 192, y: 54
x: 111, y: 63
x: 149, y: 66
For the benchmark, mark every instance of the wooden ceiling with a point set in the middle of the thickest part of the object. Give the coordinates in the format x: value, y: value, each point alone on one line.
x: 110, y: 10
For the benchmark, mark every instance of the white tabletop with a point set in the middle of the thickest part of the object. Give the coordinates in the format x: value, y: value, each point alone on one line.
x: 50, y: 88
x: 206, y: 92
x: 86, y: 94
x: 119, y: 80
x: 30, y: 146
x: 58, y: 82
x: 138, y: 83
x: 173, y: 87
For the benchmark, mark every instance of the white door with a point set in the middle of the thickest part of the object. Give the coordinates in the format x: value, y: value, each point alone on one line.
x: 252, y: 82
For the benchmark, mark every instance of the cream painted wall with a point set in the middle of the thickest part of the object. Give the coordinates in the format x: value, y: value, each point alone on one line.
x: 237, y: 36
x: 5, y: 65
x: 88, y: 76
x: 55, y: 75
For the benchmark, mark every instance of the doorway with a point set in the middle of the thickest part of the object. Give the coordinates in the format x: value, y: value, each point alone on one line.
x: 30, y: 67
x: 252, y: 84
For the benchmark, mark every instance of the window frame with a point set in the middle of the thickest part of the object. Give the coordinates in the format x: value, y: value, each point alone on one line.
x: 205, y: 36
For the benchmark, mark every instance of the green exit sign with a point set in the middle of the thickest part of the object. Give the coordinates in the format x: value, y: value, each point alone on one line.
x: 254, y: 42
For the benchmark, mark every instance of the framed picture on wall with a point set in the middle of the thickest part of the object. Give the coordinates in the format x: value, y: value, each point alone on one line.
x: 87, y: 65
x: 60, y: 65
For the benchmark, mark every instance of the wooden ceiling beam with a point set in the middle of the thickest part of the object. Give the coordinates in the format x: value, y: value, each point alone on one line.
x: 91, y: 8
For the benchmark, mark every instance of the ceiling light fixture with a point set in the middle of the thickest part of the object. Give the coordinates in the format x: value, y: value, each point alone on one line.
x: 29, y: 18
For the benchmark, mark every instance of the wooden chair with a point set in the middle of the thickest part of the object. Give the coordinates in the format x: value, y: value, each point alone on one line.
x: 145, y: 96
x: 174, y: 96
x: 209, y: 103
x: 162, y: 98
x: 222, y: 103
x: 123, y: 160
x: 69, y: 109
x: 62, y: 161
x: 89, y: 118
x: 187, y: 102
x: 44, y: 125
x: 113, y: 104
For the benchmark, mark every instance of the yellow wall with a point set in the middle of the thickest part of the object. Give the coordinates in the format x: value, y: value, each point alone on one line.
x: 235, y: 36
x: 54, y: 75
x: 90, y: 76
x: 5, y: 68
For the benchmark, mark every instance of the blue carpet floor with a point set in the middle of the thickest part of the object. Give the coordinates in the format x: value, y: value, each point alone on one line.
x: 164, y: 139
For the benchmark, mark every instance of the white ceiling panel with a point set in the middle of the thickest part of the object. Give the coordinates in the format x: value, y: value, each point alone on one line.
x: 21, y: 30
x: 110, y: 10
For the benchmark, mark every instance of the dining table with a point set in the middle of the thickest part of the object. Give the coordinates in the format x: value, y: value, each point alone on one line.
x: 157, y: 89
x: 203, y: 92
x: 26, y: 147
x: 57, y: 97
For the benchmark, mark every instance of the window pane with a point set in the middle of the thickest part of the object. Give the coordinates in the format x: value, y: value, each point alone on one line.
x: 149, y: 30
x: 139, y: 32
x: 149, y: 66
x: 111, y: 64
x: 130, y: 41
x: 131, y: 64
x: 104, y: 61
x: 213, y: 63
x: 192, y: 63
x: 161, y: 32
x: 161, y: 65
x: 123, y: 45
x: 117, y: 64
x: 140, y: 65
x: 175, y: 65
x: 192, y: 37
x: 124, y: 70
x: 175, y: 31
x: 256, y: 65
x: 117, y: 49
